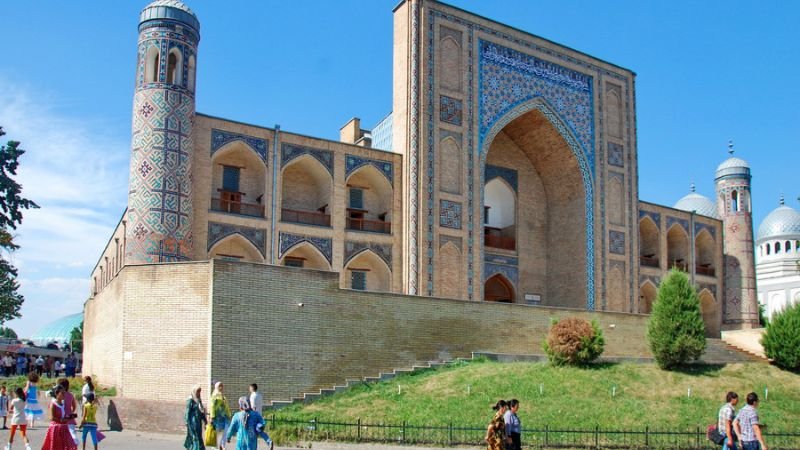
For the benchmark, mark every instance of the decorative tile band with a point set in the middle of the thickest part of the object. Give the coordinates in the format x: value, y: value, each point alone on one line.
x: 682, y: 222
x: 698, y: 227
x: 510, y: 272
x: 450, y: 214
x: 219, y: 231
x: 220, y: 138
x: 616, y: 155
x: 353, y: 163
x: 656, y: 280
x: 450, y: 110
x: 501, y: 259
x: 288, y: 241
x: 656, y: 217
x: 509, y: 175
x: 291, y: 151
x: 355, y: 248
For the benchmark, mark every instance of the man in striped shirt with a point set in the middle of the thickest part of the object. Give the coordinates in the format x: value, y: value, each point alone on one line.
x: 747, y: 427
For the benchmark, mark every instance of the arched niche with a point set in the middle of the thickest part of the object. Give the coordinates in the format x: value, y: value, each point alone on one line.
x: 647, y: 296
x: 711, y: 313
x: 498, y: 289
x: 677, y: 248
x: 369, y: 201
x: 500, y: 215
x: 306, y: 256
x: 649, y: 243
x: 306, y: 187
x: 235, y: 248
x: 367, y: 271
x: 238, y: 180
x: 704, y: 254
x: 450, y: 272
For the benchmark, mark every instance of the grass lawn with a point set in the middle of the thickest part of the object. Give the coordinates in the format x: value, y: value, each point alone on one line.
x: 644, y: 395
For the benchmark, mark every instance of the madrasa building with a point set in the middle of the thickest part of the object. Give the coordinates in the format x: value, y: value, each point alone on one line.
x: 501, y: 190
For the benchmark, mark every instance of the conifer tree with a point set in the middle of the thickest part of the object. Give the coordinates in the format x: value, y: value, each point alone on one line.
x: 781, y: 340
x: 676, y: 331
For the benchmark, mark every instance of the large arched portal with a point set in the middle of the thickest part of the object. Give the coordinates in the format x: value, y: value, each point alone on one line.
x: 549, y: 226
x: 498, y: 289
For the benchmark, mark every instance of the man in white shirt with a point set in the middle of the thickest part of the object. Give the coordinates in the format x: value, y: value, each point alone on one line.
x: 256, y: 400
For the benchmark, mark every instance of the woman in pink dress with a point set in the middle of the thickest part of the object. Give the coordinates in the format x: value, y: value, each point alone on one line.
x: 70, y: 407
x: 58, y: 437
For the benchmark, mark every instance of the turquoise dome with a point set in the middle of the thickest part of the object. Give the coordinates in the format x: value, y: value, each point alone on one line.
x: 58, y: 331
x: 172, y: 10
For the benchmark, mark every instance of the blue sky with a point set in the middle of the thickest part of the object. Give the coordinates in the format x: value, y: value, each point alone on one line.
x: 706, y: 71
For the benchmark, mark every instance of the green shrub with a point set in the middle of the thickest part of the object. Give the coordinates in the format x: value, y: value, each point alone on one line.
x: 573, y: 341
x: 781, y: 340
x: 676, y: 331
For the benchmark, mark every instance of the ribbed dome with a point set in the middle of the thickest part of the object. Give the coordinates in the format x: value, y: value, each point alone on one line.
x: 170, y: 9
x: 698, y: 203
x: 782, y: 222
x: 59, y: 330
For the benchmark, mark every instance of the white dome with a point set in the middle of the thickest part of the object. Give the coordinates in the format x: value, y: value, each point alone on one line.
x: 782, y: 222
x: 698, y: 203
x: 170, y: 10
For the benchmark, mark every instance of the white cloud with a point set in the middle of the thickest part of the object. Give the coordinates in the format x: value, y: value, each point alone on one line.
x: 78, y: 174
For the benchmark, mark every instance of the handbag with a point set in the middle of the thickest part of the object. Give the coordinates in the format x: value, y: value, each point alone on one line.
x: 713, y: 435
x: 210, y: 436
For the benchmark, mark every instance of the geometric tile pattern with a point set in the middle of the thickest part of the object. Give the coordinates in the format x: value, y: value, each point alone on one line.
x: 450, y: 110
x: 616, y: 242
x: 353, y: 162
x: 501, y: 259
x: 682, y: 222
x: 702, y: 226
x: 653, y: 215
x: 510, y: 272
x: 413, y: 157
x: 615, y: 155
x: 160, y: 196
x: 289, y: 240
x: 219, y: 231
x: 220, y: 138
x: 450, y: 214
x: 290, y: 151
x: 510, y: 78
x: 354, y: 248
x: 510, y: 175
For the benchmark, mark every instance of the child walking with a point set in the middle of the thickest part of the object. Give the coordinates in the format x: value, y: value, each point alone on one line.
x: 88, y: 421
x: 32, y: 408
x: 58, y: 436
x: 4, y: 405
x: 18, y: 419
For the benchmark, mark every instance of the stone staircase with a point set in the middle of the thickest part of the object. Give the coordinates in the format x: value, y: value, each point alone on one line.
x: 746, y: 340
x: 308, y: 397
x: 721, y: 352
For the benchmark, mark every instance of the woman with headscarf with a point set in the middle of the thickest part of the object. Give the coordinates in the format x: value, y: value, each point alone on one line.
x: 195, y: 417
x: 220, y: 414
x: 247, y: 424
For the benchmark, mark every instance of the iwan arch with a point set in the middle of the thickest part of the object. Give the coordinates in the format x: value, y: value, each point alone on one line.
x: 505, y: 173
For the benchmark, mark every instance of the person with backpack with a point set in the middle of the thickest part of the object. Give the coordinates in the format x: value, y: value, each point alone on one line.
x: 725, y: 420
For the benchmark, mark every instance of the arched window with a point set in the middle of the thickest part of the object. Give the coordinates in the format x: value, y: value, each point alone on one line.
x: 190, y: 75
x: 151, y: 65
x: 787, y: 247
x: 174, y: 67
x: 734, y: 201
x: 777, y: 247
x: 796, y: 245
x: 768, y: 248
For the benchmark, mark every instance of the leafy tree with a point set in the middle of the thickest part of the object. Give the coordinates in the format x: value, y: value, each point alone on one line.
x: 781, y: 340
x: 7, y: 332
x: 573, y: 341
x: 11, y: 205
x: 676, y: 331
x: 76, y: 339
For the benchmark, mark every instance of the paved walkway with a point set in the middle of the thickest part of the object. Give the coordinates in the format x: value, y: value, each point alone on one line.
x: 135, y: 440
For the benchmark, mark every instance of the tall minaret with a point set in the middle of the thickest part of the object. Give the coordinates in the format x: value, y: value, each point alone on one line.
x: 159, y: 217
x: 740, y: 305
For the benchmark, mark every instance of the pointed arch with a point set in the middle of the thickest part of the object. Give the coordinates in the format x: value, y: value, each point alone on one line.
x: 649, y: 242
x: 648, y: 292
x: 152, y: 63
x: 368, y: 268
x: 309, y: 254
x: 450, y: 54
x: 449, y: 273
x: 582, y: 219
x: 238, y: 183
x: 450, y: 165
x: 616, y: 293
x: 236, y: 247
x: 614, y: 113
x: 369, y: 200
x: 498, y: 288
x: 705, y: 251
x: 306, y: 192
x: 677, y: 247
x: 711, y: 314
x: 616, y: 201
x: 190, y: 76
x: 236, y: 145
x: 175, y: 66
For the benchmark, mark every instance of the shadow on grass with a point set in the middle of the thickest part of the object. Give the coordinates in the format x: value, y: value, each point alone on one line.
x: 700, y: 369
x: 602, y: 365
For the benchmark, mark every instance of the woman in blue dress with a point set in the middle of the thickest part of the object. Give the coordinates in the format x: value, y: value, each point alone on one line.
x: 32, y: 408
x: 247, y: 424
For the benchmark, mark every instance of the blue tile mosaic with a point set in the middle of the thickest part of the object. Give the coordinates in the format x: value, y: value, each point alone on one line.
x: 291, y: 151
x: 353, y: 163
x: 653, y: 215
x: 219, y: 231
x: 510, y: 272
x: 616, y: 155
x: 288, y: 240
x: 450, y: 214
x: 220, y: 138
x: 450, y: 110
x: 509, y: 175
x: 682, y: 222
x: 698, y: 227
x: 355, y: 248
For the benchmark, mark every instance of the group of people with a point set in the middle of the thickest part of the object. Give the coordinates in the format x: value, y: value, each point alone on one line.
x: 742, y: 427
x: 216, y: 426
x: 50, y: 366
x: 505, y: 430
x: 24, y: 409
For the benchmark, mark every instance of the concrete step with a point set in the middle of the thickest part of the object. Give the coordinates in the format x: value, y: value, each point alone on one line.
x: 719, y: 352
